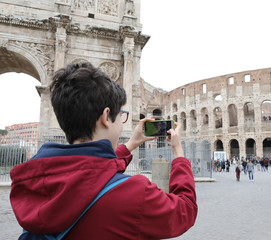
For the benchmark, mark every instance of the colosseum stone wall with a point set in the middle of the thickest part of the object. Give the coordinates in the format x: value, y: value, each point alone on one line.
x: 232, y: 112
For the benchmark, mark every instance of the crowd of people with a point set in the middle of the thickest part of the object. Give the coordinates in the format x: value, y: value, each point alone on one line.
x: 224, y: 165
x: 247, y: 165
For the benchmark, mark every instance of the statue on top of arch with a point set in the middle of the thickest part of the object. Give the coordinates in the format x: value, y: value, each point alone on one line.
x: 129, y: 7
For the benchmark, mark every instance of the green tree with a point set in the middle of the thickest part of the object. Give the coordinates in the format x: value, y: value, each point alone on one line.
x: 3, y: 132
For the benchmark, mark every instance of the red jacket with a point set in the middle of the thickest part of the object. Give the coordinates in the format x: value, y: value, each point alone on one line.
x: 49, y: 192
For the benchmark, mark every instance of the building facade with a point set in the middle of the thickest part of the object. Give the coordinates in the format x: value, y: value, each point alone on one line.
x: 233, y: 111
x: 29, y: 132
x: 21, y: 140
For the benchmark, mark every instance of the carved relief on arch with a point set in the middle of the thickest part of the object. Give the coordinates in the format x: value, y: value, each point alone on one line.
x: 108, y: 7
x: 110, y: 69
x: 44, y: 54
x: 41, y: 57
x: 83, y: 4
x: 77, y: 60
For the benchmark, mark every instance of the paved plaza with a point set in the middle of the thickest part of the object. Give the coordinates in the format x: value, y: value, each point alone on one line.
x: 228, y: 210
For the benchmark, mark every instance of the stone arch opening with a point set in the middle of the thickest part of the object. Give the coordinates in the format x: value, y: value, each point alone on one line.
x: 15, y: 62
x: 19, y: 99
x: 249, y: 115
x: 157, y: 114
x: 232, y: 111
x: 22, y: 66
x: 193, y: 119
x: 142, y: 116
x: 183, y: 121
x: 28, y: 59
x: 267, y: 147
x: 175, y: 118
x: 218, y: 98
x: 266, y: 111
x: 250, y: 147
x: 234, y: 149
x: 219, y: 145
x: 174, y: 107
x: 205, y: 117
x: 218, y: 117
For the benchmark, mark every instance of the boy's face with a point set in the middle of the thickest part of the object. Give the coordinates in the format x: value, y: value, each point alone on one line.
x: 116, y: 128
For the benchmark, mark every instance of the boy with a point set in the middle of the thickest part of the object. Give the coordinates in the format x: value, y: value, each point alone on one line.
x: 51, y: 190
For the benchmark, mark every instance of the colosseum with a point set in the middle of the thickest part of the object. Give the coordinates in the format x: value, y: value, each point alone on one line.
x: 232, y: 112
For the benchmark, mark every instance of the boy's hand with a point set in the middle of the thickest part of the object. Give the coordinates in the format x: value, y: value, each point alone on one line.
x: 138, y: 136
x: 174, y: 138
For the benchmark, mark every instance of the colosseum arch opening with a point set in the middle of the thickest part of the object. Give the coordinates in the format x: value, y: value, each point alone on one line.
x: 175, y: 118
x: 218, y: 98
x: 174, y: 107
x: 193, y: 119
x: 157, y: 114
x: 249, y: 116
x: 218, y: 117
x: 250, y: 147
x: 232, y: 111
x: 234, y: 149
x: 183, y: 121
x: 205, y: 117
x: 266, y: 111
x: 218, y: 145
x: 267, y: 147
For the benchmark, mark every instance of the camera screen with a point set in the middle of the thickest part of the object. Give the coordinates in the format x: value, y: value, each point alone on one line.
x: 157, y: 128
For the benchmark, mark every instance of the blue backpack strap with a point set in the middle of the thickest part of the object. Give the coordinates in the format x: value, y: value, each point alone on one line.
x: 31, y: 236
x: 113, y: 182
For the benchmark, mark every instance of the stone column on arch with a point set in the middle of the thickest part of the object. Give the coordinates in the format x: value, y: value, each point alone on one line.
x: 45, y: 109
x: 59, y: 62
x: 128, y: 78
x: 60, y: 47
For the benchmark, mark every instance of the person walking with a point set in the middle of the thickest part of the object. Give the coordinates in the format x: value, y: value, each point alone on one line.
x: 238, y: 171
x: 228, y: 165
x: 250, y: 168
x: 244, y: 164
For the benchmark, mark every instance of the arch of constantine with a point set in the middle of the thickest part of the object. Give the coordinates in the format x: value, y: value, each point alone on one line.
x: 39, y: 37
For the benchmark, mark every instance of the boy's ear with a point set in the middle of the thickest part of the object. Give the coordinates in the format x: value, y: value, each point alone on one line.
x: 105, y: 117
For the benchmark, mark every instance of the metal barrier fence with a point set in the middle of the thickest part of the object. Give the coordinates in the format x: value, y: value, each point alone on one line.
x: 199, y: 153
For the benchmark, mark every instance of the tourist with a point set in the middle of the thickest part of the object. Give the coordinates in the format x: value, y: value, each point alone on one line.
x: 262, y: 165
x: 51, y: 190
x: 228, y: 164
x: 238, y: 170
x: 266, y: 164
x: 244, y: 164
x: 250, y: 169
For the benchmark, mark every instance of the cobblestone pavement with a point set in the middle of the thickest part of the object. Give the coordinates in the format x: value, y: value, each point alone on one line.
x: 228, y: 210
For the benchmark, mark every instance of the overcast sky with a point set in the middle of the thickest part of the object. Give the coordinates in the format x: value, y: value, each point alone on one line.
x: 190, y: 40
x: 193, y: 40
